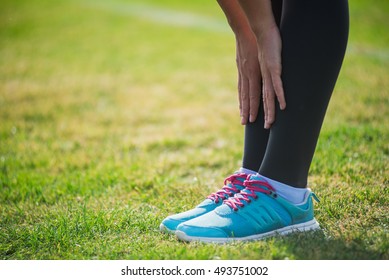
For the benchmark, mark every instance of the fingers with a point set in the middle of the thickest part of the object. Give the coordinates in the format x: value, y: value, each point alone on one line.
x: 268, y: 101
x: 249, y: 80
x: 245, y: 100
x: 240, y: 92
x: 249, y: 97
x: 279, y: 90
x: 265, y: 103
x: 272, y: 89
x: 254, y: 96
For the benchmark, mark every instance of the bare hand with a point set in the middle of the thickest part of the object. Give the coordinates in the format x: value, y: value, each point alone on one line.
x: 249, y: 81
x: 269, y: 54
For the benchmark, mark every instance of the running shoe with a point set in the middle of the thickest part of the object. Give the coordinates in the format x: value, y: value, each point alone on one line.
x: 232, y: 185
x: 253, y: 214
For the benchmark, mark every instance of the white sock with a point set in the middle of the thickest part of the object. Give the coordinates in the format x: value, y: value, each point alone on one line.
x: 247, y: 171
x: 294, y: 195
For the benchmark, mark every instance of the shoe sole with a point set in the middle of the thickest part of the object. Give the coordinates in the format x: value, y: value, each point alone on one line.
x: 307, y: 226
x: 164, y: 229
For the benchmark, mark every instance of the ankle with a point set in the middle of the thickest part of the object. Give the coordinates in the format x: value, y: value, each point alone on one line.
x: 247, y: 171
x: 290, y: 193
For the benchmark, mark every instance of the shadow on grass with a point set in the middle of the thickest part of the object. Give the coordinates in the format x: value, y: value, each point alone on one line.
x: 321, y: 246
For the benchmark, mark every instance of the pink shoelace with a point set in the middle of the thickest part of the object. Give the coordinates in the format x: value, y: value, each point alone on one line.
x: 228, y: 189
x: 248, y: 193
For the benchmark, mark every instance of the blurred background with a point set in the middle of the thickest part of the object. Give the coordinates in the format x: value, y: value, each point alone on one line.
x: 119, y: 103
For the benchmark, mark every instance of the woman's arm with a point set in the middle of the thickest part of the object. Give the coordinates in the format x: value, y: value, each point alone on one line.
x: 260, y: 16
x: 249, y: 78
x: 253, y: 20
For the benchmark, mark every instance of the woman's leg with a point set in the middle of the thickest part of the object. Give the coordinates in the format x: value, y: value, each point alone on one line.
x: 314, y: 36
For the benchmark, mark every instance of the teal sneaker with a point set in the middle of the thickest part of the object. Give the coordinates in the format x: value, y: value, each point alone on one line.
x: 232, y: 185
x: 254, y: 213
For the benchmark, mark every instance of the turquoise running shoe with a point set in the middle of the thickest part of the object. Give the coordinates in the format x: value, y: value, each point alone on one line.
x: 253, y: 214
x: 232, y: 185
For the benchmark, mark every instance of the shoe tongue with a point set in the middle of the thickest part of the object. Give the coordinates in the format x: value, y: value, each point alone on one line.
x: 255, y: 177
x: 238, y: 185
x: 259, y: 185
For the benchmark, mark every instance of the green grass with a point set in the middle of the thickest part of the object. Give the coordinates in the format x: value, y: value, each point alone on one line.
x: 110, y: 121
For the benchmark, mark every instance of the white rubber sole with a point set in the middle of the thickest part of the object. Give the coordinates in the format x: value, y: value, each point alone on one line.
x: 164, y: 229
x: 307, y: 226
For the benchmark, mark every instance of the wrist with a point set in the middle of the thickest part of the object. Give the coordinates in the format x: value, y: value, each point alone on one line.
x: 240, y: 29
x: 261, y: 28
x: 244, y: 35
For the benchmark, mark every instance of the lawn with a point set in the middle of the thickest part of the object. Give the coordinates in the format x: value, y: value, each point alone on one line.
x: 115, y: 114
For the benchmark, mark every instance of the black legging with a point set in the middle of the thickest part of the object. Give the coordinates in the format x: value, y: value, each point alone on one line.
x: 314, y: 37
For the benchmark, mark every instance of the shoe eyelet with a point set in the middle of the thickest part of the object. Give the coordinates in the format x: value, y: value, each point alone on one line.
x: 249, y: 201
x: 255, y: 197
x: 236, y: 209
x: 275, y: 195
